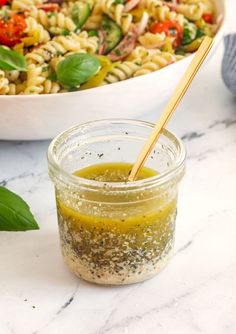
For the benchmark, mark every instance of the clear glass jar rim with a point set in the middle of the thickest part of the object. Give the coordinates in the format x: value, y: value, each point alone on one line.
x: 149, y: 182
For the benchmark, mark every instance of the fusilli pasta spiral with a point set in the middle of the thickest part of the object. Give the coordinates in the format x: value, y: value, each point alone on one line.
x: 192, y: 12
x: 52, y: 21
x: 4, y: 83
x: 156, y: 62
x: 35, y: 80
x: 125, y: 39
x: 151, y: 41
x: 160, y: 12
x: 20, y: 5
x: 121, y: 72
x: 60, y: 45
x: 117, y: 12
x: 36, y: 33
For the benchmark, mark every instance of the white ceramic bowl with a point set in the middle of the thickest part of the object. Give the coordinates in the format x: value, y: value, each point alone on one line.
x: 33, y: 117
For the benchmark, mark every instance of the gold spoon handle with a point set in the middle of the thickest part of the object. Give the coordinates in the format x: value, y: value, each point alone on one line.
x: 179, y: 92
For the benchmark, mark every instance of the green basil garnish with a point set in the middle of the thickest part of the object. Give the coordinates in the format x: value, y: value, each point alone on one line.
x: 15, y: 214
x: 187, y: 38
x: 191, y: 32
x: 77, y: 69
x: 200, y: 33
x: 11, y: 60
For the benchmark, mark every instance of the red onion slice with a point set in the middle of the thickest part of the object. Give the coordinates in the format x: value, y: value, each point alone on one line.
x: 143, y: 24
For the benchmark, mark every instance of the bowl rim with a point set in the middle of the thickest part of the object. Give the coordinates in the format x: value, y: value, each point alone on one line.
x: 166, y: 68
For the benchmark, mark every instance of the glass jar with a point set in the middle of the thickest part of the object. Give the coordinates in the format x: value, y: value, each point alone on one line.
x: 115, y: 232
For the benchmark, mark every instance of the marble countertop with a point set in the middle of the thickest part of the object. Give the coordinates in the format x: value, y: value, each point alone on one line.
x: 196, y: 293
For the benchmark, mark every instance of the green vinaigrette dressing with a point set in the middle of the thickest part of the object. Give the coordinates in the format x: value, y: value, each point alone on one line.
x: 120, y: 238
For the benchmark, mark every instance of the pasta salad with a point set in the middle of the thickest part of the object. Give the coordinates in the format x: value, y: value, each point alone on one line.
x: 59, y: 46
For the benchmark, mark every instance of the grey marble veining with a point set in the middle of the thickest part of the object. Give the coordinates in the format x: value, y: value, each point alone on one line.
x: 196, y: 293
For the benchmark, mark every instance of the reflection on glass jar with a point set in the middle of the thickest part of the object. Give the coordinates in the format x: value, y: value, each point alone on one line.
x: 113, y: 231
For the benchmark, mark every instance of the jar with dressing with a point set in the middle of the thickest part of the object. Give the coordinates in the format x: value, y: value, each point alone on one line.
x: 113, y: 231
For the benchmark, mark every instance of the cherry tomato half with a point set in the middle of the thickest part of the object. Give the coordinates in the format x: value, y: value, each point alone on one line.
x: 171, y: 29
x: 3, y: 2
x: 12, y: 30
x: 208, y: 18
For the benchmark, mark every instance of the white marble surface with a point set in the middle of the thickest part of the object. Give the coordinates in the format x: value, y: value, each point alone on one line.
x: 196, y: 293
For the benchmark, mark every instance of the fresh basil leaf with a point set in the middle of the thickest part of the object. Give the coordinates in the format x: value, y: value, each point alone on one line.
x: 15, y: 214
x: 200, y: 33
x: 11, y: 60
x: 186, y: 36
x: 77, y: 69
x: 72, y: 89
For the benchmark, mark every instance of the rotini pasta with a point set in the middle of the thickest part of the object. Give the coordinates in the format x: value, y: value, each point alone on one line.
x: 117, y: 12
x: 51, y: 87
x: 140, y: 53
x: 35, y: 80
x: 121, y: 72
x: 7, y: 87
x: 192, y: 12
x: 12, y: 76
x: 4, y: 83
x: 20, y: 5
x: 115, y: 39
x: 161, y: 12
x: 207, y: 4
x: 151, y: 41
x: 56, y: 23
x: 155, y: 62
x: 95, y: 19
x: 36, y: 33
x: 61, y: 45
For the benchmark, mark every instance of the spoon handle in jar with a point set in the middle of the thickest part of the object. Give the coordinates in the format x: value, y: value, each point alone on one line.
x: 179, y: 92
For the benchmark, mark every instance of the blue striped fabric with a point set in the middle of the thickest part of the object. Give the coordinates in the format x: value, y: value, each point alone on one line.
x: 228, y: 69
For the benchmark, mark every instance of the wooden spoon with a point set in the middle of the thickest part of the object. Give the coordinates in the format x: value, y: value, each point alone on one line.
x: 179, y: 92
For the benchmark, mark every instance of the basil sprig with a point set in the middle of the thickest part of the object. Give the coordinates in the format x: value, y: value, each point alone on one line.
x: 15, y: 214
x: 77, y: 69
x: 11, y: 60
x: 200, y: 33
x: 187, y: 38
x: 190, y: 35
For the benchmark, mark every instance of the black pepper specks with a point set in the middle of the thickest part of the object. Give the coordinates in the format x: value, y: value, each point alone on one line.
x: 111, y: 252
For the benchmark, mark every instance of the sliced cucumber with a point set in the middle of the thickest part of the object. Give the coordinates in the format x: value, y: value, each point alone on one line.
x: 112, y: 33
x: 80, y: 13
